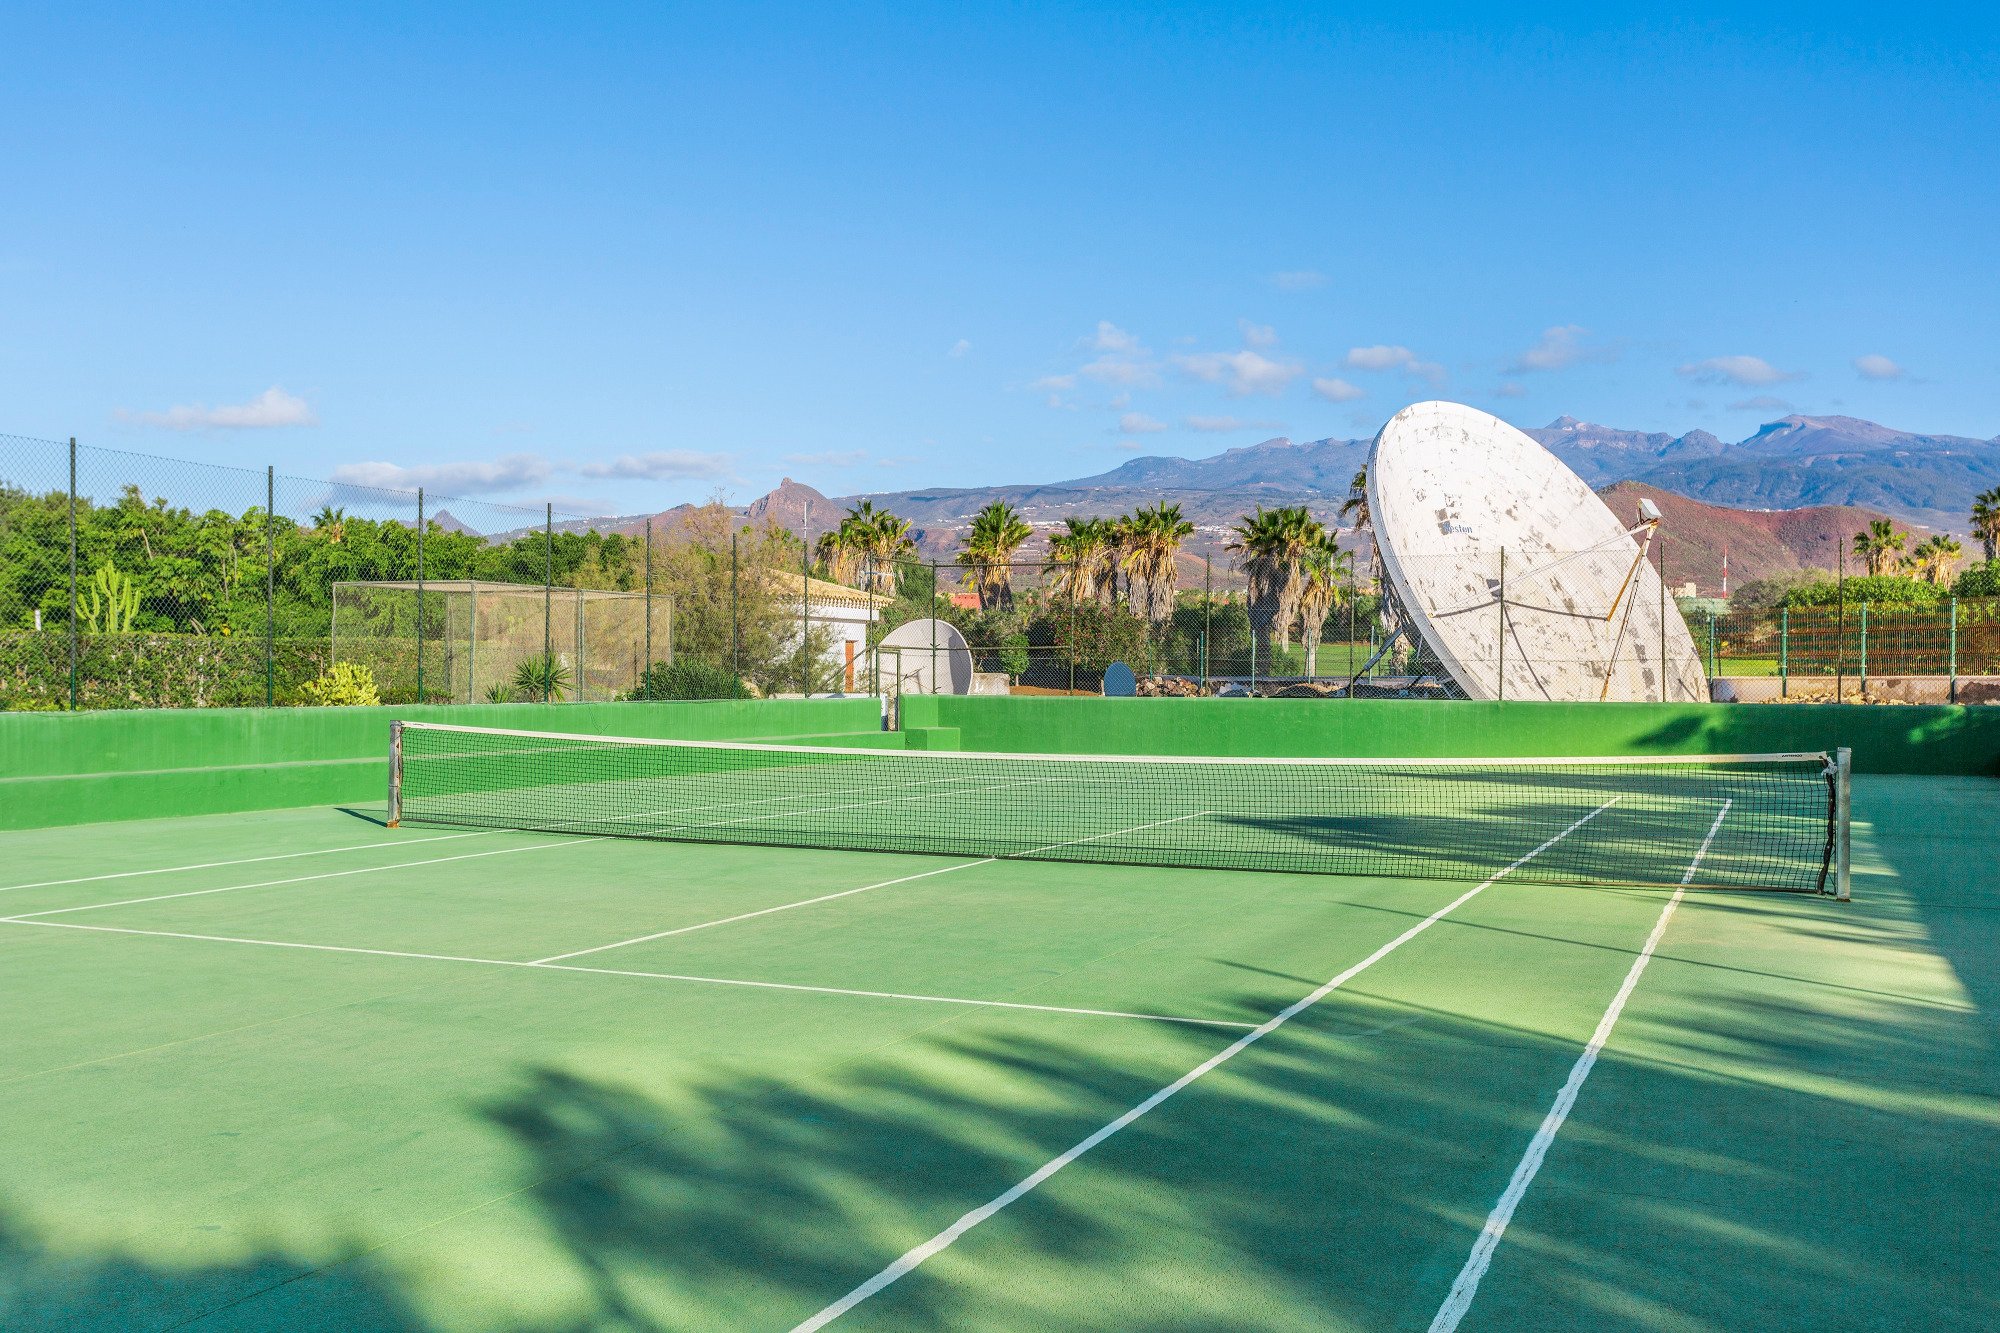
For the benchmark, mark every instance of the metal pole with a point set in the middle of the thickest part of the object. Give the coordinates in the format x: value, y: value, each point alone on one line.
x: 548, y: 601
x: 271, y: 587
x: 934, y: 611
x: 1840, y: 624
x: 805, y: 615
x: 72, y: 575
x: 1664, y: 673
x: 1954, y: 650
x: 420, y: 594
x: 649, y: 597
x: 1714, y: 658
x: 735, y: 630
x: 1501, y: 655
x: 1784, y: 652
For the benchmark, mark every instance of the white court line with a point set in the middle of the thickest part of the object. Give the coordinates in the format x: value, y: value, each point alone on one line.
x: 619, y: 972
x: 297, y: 879
x: 916, y: 1255
x: 765, y: 911
x: 829, y: 897
x: 244, y: 861
x: 1467, y: 1285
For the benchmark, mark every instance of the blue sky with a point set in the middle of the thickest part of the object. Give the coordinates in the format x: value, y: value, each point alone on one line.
x: 627, y: 256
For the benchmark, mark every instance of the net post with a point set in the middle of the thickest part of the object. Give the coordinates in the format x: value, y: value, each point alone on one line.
x: 395, y: 774
x: 1843, y: 805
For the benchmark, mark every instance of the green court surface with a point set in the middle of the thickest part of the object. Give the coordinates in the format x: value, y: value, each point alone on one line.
x: 297, y: 1070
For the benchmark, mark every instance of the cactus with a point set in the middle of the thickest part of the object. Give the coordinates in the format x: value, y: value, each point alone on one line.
x: 109, y: 603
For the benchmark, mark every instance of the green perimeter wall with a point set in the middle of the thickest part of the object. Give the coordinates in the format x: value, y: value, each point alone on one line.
x: 74, y: 768
x: 1885, y: 739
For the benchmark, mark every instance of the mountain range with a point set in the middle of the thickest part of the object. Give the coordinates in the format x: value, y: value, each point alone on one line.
x: 1787, y: 497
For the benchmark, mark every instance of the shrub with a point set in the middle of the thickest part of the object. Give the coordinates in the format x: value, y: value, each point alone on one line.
x: 1875, y: 590
x: 342, y: 685
x: 542, y: 679
x: 689, y: 679
x: 1981, y: 580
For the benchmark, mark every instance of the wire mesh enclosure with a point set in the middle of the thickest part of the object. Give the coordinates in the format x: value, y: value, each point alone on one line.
x: 473, y: 641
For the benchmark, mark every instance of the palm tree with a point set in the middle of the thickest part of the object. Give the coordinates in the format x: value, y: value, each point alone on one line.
x: 1151, y: 548
x: 1881, y: 547
x: 1072, y: 565
x: 1328, y: 581
x: 1116, y: 534
x: 1355, y: 506
x: 997, y: 532
x: 1934, y: 557
x: 1272, y: 544
x: 885, y: 540
x: 1986, y: 521
x: 332, y: 523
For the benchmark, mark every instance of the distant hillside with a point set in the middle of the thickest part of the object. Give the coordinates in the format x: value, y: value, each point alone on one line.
x: 1760, y: 543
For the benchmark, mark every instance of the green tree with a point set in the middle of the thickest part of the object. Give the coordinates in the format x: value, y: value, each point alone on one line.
x: 1328, y: 582
x: 988, y: 551
x: 1271, y: 546
x: 1151, y: 556
x: 1934, y: 558
x: 1880, y: 547
x: 1986, y: 521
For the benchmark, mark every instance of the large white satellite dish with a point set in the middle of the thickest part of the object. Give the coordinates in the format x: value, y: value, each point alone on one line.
x: 924, y: 657
x: 1510, y: 571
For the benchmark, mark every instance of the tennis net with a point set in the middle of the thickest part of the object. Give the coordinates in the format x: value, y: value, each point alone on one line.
x: 1773, y: 821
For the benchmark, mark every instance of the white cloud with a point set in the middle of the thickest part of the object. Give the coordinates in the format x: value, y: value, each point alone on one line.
x: 271, y: 408
x: 1298, y: 280
x: 1258, y: 335
x: 1337, y: 390
x: 1111, y: 338
x: 521, y: 471
x: 831, y: 458
x: 663, y: 465
x: 471, y: 477
x: 1875, y: 366
x: 1383, y: 357
x: 1763, y: 402
x: 1510, y: 390
x: 1752, y: 371
x: 959, y: 348
x: 1560, y: 347
x: 1121, y: 369
x: 1242, y: 373
x: 1138, y: 423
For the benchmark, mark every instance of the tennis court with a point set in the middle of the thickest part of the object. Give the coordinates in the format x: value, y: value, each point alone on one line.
x: 300, y: 1069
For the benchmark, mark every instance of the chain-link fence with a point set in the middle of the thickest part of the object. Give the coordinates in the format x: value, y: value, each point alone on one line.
x: 131, y: 581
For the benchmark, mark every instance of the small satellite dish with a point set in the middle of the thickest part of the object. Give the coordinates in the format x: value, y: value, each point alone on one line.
x: 924, y: 657
x: 1502, y: 566
x: 1119, y: 682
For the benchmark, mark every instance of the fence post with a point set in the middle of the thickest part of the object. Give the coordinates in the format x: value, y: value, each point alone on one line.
x: 805, y: 616
x: 1840, y: 623
x: 548, y: 603
x: 421, y: 523
x: 1714, y: 653
x: 271, y: 588
x: 1954, y: 650
x: 1500, y: 655
x: 1784, y: 652
x: 72, y: 575
x: 649, y: 600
